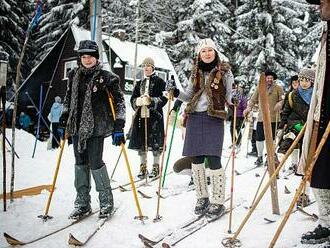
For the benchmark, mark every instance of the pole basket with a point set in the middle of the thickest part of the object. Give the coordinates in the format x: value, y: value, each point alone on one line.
x: 141, y: 218
x: 231, y: 243
x: 157, y: 218
x: 45, y: 217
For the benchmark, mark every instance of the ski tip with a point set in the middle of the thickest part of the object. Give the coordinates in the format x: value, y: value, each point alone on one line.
x: 144, y: 195
x: 269, y: 220
x: 122, y: 189
x: 11, y: 240
x: 73, y: 241
x: 165, y: 245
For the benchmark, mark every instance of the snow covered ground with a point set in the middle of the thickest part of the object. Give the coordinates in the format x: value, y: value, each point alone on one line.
x: 122, y: 230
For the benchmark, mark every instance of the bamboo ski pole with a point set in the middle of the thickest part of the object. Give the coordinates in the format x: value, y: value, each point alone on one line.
x: 259, y: 186
x: 4, y: 162
x: 45, y: 217
x: 146, y: 142
x: 308, y: 174
x: 233, y: 240
x: 170, y: 148
x: 158, y: 217
x: 232, y: 170
x: 123, y: 148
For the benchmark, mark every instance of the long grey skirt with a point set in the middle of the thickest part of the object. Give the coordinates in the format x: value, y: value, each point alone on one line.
x: 204, y: 135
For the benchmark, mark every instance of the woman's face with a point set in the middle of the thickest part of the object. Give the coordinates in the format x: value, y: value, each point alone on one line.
x: 148, y: 70
x: 88, y: 61
x: 295, y: 84
x: 207, y: 55
x: 304, y: 83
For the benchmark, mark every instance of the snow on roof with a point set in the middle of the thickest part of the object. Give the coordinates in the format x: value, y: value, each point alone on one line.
x: 80, y: 34
x: 126, y: 51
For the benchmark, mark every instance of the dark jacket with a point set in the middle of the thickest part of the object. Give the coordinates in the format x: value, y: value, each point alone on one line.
x: 103, y: 118
x: 297, y: 113
x: 155, y: 124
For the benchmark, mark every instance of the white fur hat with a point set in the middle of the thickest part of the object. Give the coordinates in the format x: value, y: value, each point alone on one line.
x: 206, y: 43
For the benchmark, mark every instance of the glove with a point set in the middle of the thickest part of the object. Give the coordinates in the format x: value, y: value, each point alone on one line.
x: 171, y: 86
x: 138, y: 102
x: 118, y: 137
x: 246, y: 112
x: 177, y: 105
x: 298, y: 126
x: 234, y: 100
x: 64, y: 119
x: 279, y: 133
x: 142, y: 101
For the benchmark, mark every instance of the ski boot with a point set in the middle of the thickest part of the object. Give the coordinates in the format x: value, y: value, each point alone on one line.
x: 318, y: 236
x: 143, y: 171
x: 201, y: 206
x: 253, y: 153
x: 155, y: 171
x: 303, y: 200
x: 79, y: 212
x: 215, y: 211
x: 102, y: 183
x: 259, y: 162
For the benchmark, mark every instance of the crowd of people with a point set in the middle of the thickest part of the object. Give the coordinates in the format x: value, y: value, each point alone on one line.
x: 88, y: 117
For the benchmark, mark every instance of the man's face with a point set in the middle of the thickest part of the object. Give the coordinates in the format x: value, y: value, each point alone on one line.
x: 88, y: 61
x: 269, y: 80
x: 207, y: 55
x: 305, y: 83
x: 295, y: 84
x: 148, y: 69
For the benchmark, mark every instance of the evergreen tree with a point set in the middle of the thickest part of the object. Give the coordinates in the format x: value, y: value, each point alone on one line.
x: 14, y: 19
x: 57, y: 16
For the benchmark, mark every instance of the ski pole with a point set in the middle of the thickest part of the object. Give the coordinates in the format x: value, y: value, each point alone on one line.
x: 261, y: 181
x: 239, y: 133
x: 170, y: 98
x: 45, y: 217
x: 233, y: 240
x: 170, y: 147
x: 308, y: 174
x: 117, y: 162
x: 123, y: 148
x: 39, y: 118
x: 146, y: 141
x: 4, y: 164
x: 42, y: 118
x: 232, y: 169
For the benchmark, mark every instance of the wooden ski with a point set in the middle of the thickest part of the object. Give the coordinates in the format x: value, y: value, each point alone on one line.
x: 264, y: 106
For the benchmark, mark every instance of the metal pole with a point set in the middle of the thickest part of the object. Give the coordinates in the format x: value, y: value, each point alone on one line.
x: 39, y: 118
x: 3, y: 79
x: 136, y: 41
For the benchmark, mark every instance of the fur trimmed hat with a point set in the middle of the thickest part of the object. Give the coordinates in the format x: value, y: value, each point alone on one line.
x: 204, y: 43
x: 269, y: 72
x: 307, y: 73
x: 148, y: 61
x: 88, y: 47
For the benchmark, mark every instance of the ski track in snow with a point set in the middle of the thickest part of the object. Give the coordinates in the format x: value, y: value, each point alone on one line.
x: 122, y: 230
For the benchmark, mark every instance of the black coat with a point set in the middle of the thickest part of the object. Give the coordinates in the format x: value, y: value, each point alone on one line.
x: 155, y: 124
x: 103, y: 118
x: 294, y: 114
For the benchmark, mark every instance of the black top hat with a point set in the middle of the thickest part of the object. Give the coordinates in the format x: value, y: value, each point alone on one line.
x: 88, y: 47
x: 269, y: 72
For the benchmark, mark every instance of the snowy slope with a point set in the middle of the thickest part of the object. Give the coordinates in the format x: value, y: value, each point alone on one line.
x: 21, y: 220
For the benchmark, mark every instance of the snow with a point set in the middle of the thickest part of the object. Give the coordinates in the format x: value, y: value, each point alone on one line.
x: 20, y: 219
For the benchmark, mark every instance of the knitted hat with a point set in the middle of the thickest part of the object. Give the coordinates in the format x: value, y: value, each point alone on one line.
x: 204, y: 43
x: 58, y: 99
x: 88, y: 47
x: 269, y: 72
x: 148, y: 62
x: 307, y: 73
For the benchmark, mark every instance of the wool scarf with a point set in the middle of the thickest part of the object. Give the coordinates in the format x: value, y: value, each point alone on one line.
x: 86, y: 125
x: 306, y: 94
